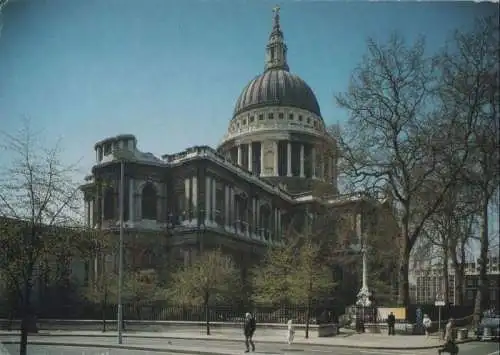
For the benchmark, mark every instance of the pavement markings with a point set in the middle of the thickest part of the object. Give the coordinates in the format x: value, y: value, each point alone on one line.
x: 495, y: 352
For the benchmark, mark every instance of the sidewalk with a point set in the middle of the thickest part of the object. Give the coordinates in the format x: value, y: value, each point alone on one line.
x: 349, y: 340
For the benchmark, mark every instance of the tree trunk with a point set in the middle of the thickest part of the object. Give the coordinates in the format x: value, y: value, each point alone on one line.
x: 459, y: 271
x: 446, y: 278
x: 207, y: 314
x: 404, y: 261
x: 27, y: 318
x: 104, y: 304
x: 459, y: 280
x: 308, y: 315
x: 482, y: 292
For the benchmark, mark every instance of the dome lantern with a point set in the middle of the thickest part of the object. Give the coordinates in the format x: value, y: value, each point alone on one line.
x: 276, y: 47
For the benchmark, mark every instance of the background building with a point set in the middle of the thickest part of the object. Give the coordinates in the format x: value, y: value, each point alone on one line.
x: 430, y: 283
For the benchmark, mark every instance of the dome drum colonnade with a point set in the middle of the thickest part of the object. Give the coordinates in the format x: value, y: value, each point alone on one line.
x: 277, y: 129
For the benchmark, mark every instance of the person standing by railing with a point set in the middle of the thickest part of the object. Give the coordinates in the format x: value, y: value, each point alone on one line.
x: 391, y: 323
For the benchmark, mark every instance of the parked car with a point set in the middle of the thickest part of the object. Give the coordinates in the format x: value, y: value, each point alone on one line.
x: 491, y: 321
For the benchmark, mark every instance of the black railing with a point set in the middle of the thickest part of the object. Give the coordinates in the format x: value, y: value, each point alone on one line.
x: 160, y: 311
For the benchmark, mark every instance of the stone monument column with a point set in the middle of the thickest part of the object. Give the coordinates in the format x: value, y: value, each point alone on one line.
x: 276, y: 158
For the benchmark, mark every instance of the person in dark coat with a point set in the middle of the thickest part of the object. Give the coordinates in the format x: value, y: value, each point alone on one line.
x: 249, y: 330
x: 391, y: 321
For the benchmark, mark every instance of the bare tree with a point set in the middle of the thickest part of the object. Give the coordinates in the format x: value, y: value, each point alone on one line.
x: 470, y: 80
x: 403, y: 131
x: 37, y: 197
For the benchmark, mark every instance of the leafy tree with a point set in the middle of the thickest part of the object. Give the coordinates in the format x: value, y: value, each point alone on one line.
x: 141, y: 287
x: 270, y: 279
x: 210, y: 277
x: 297, y: 271
x: 102, y: 290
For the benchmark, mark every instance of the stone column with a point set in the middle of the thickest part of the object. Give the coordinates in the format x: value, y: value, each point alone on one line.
x: 194, y: 184
x: 279, y: 225
x: 91, y: 213
x: 232, y: 208
x: 131, y: 202
x: 257, y: 218
x: 254, y: 216
x: 313, y: 159
x: 250, y: 157
x: 208, y: 199
x: 262, y: 159
x: 103, y: 190
x: 240, y: 155
x: 301, y: 160
x: 86, y: 213
x: 187, y: 197
x: 289, y: 159
x: 276, y: 158
x: 213, y: 199
x: 227, y: 206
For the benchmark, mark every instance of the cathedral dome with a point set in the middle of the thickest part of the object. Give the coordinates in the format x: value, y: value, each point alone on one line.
x: 277, y: 87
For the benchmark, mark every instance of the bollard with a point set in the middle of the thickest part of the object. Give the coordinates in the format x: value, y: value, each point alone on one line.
x: 486, y: 333
x: 462, y: 334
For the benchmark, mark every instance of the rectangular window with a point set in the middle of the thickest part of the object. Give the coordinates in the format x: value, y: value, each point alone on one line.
x: 261, y: 117
x: 270, y: 116
x: 107, y: 148
x: 281, y: 115
x: 290, y: 116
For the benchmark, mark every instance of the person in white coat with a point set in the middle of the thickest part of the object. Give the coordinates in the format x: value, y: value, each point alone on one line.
x: 427, y: 323
x: 291, y: 332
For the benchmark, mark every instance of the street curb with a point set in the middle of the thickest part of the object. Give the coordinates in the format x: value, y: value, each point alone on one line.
x: 117, y: 346
x: 137, y: 347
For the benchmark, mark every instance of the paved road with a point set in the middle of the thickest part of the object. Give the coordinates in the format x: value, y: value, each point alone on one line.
x: 475, y: 348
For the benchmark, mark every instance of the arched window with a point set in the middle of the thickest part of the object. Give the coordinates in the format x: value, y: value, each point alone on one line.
x: 149, y: 201
x: 109, y: 203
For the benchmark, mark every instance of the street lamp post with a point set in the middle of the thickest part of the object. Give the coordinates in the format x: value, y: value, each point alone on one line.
x: 120, y: 254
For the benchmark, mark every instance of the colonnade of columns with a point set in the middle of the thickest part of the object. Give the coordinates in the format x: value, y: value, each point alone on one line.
x: 317, y: 166
x: 242, y: 215
x: 239, y: 213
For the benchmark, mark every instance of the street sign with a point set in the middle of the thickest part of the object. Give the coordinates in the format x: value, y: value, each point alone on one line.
x: 439, y: 303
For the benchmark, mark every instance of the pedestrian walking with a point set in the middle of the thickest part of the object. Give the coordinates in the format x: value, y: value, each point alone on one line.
x: 249, y: 330
x: 449, y: 339
x: 291, y: 332
x: 427, y: 323
x: 391, y: 322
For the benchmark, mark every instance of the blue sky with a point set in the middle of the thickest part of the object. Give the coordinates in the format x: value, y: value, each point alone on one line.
x: 170, y: 71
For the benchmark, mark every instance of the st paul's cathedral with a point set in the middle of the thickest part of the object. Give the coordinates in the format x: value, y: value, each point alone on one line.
x: 240, y: 196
